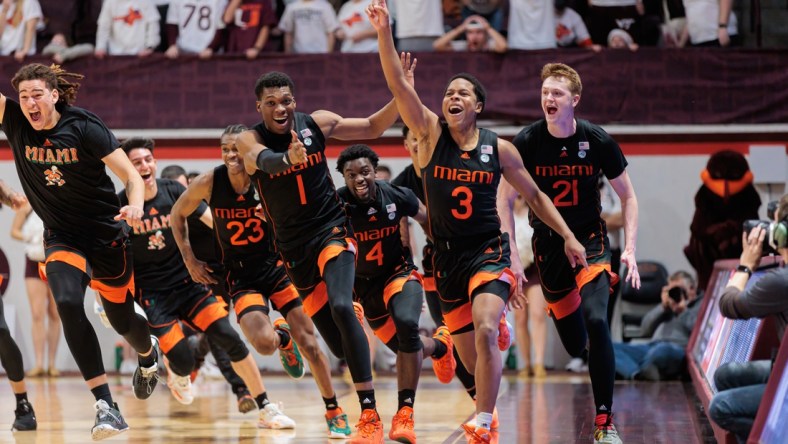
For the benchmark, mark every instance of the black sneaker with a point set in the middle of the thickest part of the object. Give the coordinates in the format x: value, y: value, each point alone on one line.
x: 25, y: 417
x: 145, y: 378
x: 109, y: 421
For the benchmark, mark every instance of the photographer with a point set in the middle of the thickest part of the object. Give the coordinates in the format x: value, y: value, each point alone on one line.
x: 669, y: 325
x: 741, y: 385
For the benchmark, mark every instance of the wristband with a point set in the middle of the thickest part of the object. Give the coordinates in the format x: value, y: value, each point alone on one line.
x: 723, y: 25
x: 744, y: 269
x: 285, y: 159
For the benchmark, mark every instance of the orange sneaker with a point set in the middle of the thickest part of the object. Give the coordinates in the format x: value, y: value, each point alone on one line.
x: 402, y: 426
x: 370, y: 429
x: 479, y: 435
x: 445, y: 366
x: 505, y: 333
x: 359, y: 310
x: 493, y: 425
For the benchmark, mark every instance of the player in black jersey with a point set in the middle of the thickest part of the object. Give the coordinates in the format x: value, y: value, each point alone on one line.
x: 285, y: 155
x: 201, y: 237
x: 256, y: 275
x: 387, y: 284
x: 61, y: 153
x: 10, y: 355
x: 566, y: 156
x: 410, y: 178
x: 461, y: 166
x: 167, y: 293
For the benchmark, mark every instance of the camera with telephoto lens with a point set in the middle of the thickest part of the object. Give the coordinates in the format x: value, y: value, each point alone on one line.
x: 776, y: 233
x: 677, y: 293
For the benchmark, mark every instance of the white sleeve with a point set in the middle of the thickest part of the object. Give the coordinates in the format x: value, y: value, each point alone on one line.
x: 103, y: 24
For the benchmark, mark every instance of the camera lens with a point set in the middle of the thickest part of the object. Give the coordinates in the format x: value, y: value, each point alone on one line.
x: 677, y: 293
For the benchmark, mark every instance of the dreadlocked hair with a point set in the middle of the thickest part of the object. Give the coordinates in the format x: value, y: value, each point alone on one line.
x: 54, y: 76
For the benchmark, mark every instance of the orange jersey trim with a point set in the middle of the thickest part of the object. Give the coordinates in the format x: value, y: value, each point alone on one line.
x: 209, y: 315
x: 316, y: 300
x: 248, y: 300
x: 594, y: 270
x: 73, y: 259
x: 429, y: 284
x: 170, y: 339
x: 284, y: 297
x: 333, y: 250
x: 565, y: 306
x: 483, y: 277
x: 386, y: 331
x: 459, y: 317
x: 396, y: 285
x: 114, y: 294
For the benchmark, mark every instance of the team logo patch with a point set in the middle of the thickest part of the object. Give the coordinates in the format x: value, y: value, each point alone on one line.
x: 156, y: 241
x: 308, y: 141
x: 581, y: 154
x: 54, y: 177
x: 484, y: 158
x: 392, y: 216
x: 583, y: 145
x: 487, y: 149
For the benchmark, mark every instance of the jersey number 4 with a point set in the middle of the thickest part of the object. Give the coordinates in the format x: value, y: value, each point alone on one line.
x: 249, y: 232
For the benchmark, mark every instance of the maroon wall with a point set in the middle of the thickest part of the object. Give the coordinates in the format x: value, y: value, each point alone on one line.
x: 650, y: 86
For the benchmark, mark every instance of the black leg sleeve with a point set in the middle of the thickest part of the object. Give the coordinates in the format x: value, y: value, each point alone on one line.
x: 10, y: 356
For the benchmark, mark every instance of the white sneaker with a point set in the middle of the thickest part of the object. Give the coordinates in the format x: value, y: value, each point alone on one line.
x: 606, y: 435
x: 577, y: 365
x: 181, y: 388
x: 209, y: 370
x: 271, y: 417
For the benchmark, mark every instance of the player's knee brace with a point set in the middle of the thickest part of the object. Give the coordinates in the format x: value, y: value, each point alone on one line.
x: 181, y: 358
x: 119, y: 315
x: 227, y: 338
x: 408, y: 335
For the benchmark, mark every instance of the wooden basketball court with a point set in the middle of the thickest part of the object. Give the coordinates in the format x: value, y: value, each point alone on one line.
x: 557, y: 409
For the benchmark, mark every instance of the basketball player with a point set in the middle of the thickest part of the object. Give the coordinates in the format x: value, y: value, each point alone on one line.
x: 566, y: 156
x: 61, y: 153
x: 461, y: 167
x: 285, y: 155
x: 10, y: 355
x: 255, y: 275
x: 168, y: 294
x: 387, y: 284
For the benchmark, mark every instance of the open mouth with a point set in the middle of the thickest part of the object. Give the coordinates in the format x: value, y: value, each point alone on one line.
x: 281, y: 121
x: 146, y: 177
x: 35, y: 117
x: 551, y: 110
x: 455, y: 109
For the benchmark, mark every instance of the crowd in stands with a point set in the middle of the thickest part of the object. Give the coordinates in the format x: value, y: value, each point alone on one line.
x: 66, y: 30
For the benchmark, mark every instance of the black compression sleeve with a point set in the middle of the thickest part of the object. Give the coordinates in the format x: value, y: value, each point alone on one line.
x: 271, y: 162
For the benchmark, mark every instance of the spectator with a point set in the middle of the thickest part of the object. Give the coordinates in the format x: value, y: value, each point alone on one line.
x: 533, y: 338
x: 309, y: 27
x: 383, y: 172
x: 620, y: 39
x: 249, y: 23
x: 673, y: 24
x: 629, y: 15
x: 491, y: 10
x: 531, y: 24
x: 570, y: 30
x: 28, y: 228
x: 70, y: 28
x: 194, y: 31
x: 18, y: 22
x: 418, y: 24
x: 740, y: 385
x: 355, y: 31
x: 725, y: 200
x: 479, y: 36
x: 162, y: 6
x: 669, y: 325
x: 127, y: 27
x: 711, y: 23
x: 176, y: 173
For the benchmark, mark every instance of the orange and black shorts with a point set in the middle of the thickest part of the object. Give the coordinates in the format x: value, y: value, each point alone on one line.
x: 254, y: 282
x: 305, y: 264
x: 463, y: 267
x: 560, y: 283
x: 374, y: 294
x: 188, y: 301
x: 107, y: 263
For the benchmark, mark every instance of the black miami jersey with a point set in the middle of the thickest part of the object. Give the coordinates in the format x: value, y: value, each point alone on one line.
x: 376, y: 226
x: 568, y: 170
x: 301, y: 201
x: 157, y: 260
x: 408, y: 179
x: 241, y: 233
x: 62, y: 172
x: 461, y: 187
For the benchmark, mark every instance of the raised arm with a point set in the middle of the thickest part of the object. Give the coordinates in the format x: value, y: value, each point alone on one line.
x: 629, y: 208
x: 423, y: 122
x: 259, y: 157
x: 119, y: 163
x: 334, y: 125
x: 199, y: 190
x: 516, y: 174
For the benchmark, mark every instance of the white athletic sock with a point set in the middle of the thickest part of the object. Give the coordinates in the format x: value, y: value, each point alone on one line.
x: 484, y: 420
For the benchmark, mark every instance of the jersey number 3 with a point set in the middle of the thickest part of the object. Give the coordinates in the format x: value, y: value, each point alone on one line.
x: 466, y: 196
